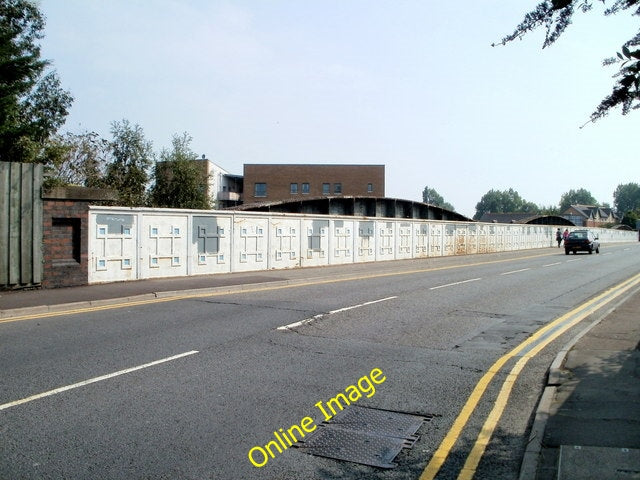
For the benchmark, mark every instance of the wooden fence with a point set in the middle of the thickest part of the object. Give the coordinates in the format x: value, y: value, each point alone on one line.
x: 20, y: 225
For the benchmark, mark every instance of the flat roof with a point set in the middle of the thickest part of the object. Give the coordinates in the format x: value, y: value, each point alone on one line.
x: 315, y: 164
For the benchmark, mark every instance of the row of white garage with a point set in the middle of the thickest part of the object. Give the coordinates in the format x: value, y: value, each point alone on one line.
x: 130, y: 244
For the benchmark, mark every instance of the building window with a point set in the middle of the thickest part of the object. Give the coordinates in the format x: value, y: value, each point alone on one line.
x: 305, y: 188
x: 260, y: 190
x: 326, y: 189
x: 337, y: 188
x: 294, y: 188
x: 369, y: 187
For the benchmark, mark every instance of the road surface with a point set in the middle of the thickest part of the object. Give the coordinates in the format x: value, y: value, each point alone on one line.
x: 197, y: 388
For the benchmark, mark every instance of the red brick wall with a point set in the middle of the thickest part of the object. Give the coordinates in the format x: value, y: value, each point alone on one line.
x: 65, y: 233
x: 353, y: 178
x: 65, y: 237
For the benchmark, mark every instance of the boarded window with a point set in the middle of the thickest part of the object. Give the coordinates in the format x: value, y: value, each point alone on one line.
x: 66, y: 232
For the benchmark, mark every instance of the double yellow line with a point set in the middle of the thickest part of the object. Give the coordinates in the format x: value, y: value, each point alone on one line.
x: 526, y: 350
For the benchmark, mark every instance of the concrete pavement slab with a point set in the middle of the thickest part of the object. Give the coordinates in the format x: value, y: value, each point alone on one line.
x: 590, y: 414
x: 585, y: 463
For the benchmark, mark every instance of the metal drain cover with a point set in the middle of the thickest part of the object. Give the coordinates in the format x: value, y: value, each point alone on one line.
x: 364, y: 435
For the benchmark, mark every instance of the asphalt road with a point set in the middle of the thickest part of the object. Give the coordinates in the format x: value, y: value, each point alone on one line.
x: 186, y: 389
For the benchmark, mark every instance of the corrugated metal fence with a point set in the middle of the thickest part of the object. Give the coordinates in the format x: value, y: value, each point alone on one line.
x: 20, y: 225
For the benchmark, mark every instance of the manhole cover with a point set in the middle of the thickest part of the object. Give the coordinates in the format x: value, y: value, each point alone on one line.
x: 364, y: 435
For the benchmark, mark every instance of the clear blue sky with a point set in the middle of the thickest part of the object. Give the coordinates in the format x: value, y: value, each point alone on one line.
x: 414, y: 85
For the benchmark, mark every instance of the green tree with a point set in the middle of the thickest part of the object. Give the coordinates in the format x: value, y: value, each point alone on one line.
x: 576, y: 197
x: 529, y: 207
x: 76, y: 159
x: 507, y: 201
x: 556, y: 15
x: 131, y: 157
x: 33, y: 105
x: 178, y: 180
x: 432, y: 197
x: 448, y: 206
x: 626, y: 198
x: 550, y: 210
x: 631, y: 217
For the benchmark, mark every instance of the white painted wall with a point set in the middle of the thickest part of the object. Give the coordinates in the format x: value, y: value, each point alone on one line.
x: 130, y: 244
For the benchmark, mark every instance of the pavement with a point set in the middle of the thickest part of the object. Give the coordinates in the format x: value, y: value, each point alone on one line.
x: 587, y: 425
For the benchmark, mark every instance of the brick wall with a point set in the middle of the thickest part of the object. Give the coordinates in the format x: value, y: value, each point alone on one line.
x: 354, y: 180
x: 65, y: 240
x: 65, y: 234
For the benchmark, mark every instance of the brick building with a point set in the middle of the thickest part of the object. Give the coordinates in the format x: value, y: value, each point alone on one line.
x: 591, y: 215
x: 272, y: 182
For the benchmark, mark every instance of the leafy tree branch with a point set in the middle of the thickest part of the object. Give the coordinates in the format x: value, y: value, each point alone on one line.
x: 556, y: 15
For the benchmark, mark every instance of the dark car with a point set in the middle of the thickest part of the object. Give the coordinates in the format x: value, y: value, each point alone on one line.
x: 581, y: 240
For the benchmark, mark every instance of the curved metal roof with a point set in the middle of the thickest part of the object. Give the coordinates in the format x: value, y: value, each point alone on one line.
x: 622, y: 226
x: 357, y: 206
x: 549, y: 220
x: 525, y: 218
